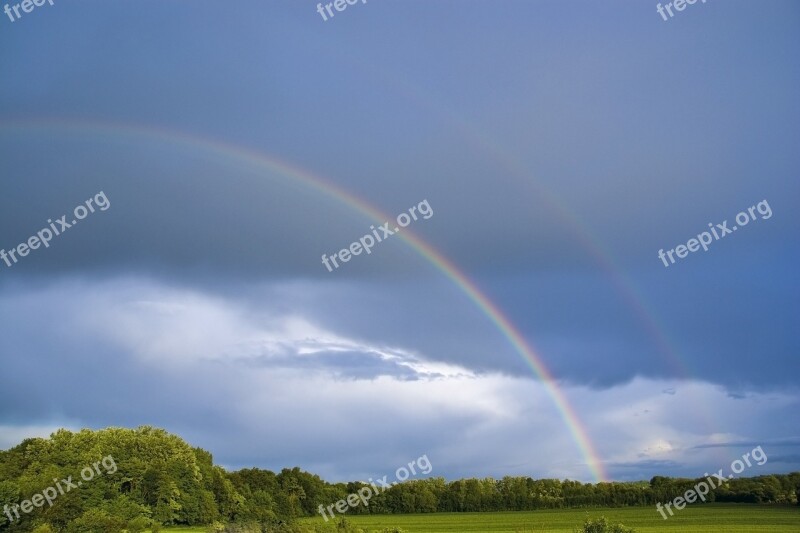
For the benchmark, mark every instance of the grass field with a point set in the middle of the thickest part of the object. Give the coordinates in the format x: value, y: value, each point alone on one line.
x: 697, y: 519
x: 717, y: 518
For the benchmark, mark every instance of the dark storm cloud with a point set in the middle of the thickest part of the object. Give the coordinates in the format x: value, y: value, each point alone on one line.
x: 633, y: 201
x: 557, y: 157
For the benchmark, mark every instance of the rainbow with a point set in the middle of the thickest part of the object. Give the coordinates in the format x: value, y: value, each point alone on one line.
x: 578, y: 431
x: 625, y: 287
x: 678, y: 365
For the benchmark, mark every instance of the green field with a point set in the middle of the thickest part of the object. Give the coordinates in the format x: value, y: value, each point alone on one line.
x: 698, y: 519
x: 714, y: 518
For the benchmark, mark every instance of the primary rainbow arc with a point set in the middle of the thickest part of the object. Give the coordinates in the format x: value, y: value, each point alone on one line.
x: 238, y: 154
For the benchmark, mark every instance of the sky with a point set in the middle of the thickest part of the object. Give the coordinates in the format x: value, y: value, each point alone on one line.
x: 550, y: 150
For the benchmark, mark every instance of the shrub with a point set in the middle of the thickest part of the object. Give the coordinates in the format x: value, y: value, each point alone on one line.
x: 601, y: 525
x: 247, y: 527
x: 243, y: 528
x: 96, y: 521
x: 138, y: 524
x: 342, y: 525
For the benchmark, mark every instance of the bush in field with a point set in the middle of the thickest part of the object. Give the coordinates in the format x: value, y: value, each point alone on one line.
x: 278, y: 526
x: 601, y: 525
x: 96, y: 521
x: 342, y: 525
x: 44, y: 528
x: 139, y: 524
x: 243, y: 528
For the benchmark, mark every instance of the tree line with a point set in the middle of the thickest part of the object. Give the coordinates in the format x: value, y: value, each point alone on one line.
x: 159, y: 479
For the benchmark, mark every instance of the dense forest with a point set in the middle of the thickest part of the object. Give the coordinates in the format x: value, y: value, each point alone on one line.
x: 115, y: 479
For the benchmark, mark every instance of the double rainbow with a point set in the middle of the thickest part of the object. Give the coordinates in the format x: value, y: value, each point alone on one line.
x: 240, y: 155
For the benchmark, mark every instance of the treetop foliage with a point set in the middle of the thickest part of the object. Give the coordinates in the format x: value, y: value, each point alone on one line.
x: 159, y: 479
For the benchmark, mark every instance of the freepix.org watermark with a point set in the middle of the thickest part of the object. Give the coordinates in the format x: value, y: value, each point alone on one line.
x: 26, y: 6
x: 43, y: 237
x: 679, y: 5
x: 364, y: 494
x: 61, y: 487
x: 702, y: 489
x: 719, y: 231
x: 339, y: 5
x: 365, y: 243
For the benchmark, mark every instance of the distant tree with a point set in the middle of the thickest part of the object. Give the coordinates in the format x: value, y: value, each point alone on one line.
x: 158, y: 477
x: 657, y: 481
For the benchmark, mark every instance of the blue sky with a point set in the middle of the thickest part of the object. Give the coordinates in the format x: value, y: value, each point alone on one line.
x: 560, y: 145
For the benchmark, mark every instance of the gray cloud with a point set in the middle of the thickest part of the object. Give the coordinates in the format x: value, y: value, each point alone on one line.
x: 558, y: 160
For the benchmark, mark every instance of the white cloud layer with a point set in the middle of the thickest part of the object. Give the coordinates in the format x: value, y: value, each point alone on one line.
x: 274, y: 389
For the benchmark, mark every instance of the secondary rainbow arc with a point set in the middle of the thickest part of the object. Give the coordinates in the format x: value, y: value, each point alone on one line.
x: 632, y: 296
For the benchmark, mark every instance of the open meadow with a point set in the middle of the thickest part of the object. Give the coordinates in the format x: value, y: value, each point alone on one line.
x: 713, y: 518
x: 699, y: 519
